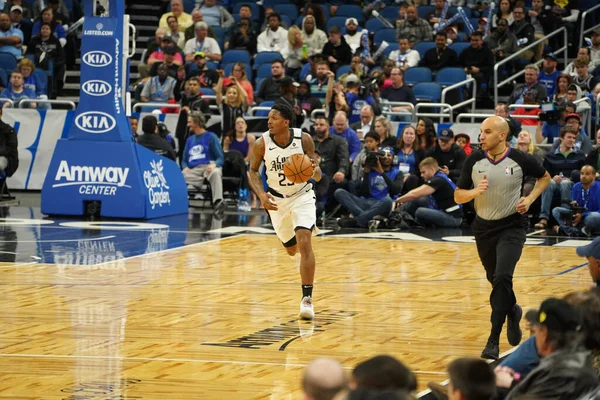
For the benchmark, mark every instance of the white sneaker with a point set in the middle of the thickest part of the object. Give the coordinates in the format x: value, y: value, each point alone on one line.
x: 306, y: 308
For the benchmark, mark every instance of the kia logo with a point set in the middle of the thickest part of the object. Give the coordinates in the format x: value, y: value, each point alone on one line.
x: 95, y: 122
x: 97, y: 58
x: 96, y: 88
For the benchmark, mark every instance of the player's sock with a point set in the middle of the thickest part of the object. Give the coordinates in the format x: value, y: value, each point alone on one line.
x: 307, y: 291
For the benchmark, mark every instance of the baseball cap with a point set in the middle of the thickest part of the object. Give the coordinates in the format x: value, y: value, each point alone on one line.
x: 199, y: 54
x: 352, y: 78
x: 170, y: 50
x: 573, y: 115
x: 353, y: 20
x: 483, y: 19
x: 16, y: 8
x: 287, y: 81
x: 446, y: 134
x: 168, y: 38
x: 551, y: 56
x: 388, y: 150
x: 590, y: 250
x: 596, y: 31
x: 452, y: 28
x: 556, y: 315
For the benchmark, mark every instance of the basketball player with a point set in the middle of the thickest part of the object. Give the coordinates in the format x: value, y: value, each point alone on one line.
x: 291, y: 206
x: 496, y: 174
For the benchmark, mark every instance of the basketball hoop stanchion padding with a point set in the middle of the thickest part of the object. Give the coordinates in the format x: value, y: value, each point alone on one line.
x: 99, y: 161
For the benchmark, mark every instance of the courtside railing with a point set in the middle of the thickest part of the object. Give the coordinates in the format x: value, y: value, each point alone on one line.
x: 583, y: 31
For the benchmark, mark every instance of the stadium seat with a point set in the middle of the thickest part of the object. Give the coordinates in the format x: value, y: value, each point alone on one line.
x: 390, y: 48
x: 264, y: 71
x: 387, y: 34
x: 422, y: 47
x: 459, y: 47
x: 350, y: 11
x: 264, y: 113
x: 305, y: 71
x: 450, y: 76
x: 212, y: 65
x: 207, y: 91
x: 266, y: 57
x: 415, y: 75
x: 373, y: 25
x: 255, y: 9
x: 344, y: 69
x: 427, y: 91
x: 188, y: 6
x: 286, y: 21
x: 43, y: 77
x: 336, y: 21
x: 422, y: 11
x: 289, y: 10
x: 221, y: 33
x: 4, y: 77
x: 8, y: 61
x: 391, y: 13
x: 233, y: 56
x: 228, y: 67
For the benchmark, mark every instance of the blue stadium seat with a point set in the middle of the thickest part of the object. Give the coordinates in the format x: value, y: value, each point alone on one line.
x: 422, y: 11
x: 257, y: 86
x: 188, y: 6
x: 450, y: 76
x: 391, y: 13
x: 459, y: 47
x: 233, y: 56
x: 228, y: 67
x: 264, y: 71
x: 305, y: 71
x: 4, y: 77
x: 343, y: 69
x: 350, y: 11
x: 43, y: 77
x: 212, y: 65
x: 422, y: 47
x: 221, y: 33
x: 264, y: 104
x: 289, y: 10
x: 427, y: 91
x: 266, y: 57
x: 8, y: 61
x: 390, y: 48
x: 387, y: 34
x: 286, y: 21
x: 415, y: 75
x: 336, y: 21
x: 207, y: 91
x: 373, y: 25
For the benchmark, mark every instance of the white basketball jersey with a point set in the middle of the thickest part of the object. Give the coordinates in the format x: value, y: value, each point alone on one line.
x: 275, y: 156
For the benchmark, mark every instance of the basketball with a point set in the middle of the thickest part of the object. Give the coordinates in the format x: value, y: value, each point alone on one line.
x: 298, y: 168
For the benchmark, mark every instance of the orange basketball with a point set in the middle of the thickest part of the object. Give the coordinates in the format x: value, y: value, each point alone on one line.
x: 298, y: 168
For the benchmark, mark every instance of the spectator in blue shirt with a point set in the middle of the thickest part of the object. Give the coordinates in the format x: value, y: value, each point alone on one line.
x: 340, y: 127
x: 16, y: 91
x: 355, y: 102
x: 11, y: 39
x: 203, y: 159
x: 585, y: 194
x: 57, y: 29
x: 549, y: 74
x: 550, y: 130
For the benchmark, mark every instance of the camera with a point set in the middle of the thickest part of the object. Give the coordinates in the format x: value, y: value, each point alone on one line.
x: 372, y: 158
x: 551, y: 113
x: 367, y: 88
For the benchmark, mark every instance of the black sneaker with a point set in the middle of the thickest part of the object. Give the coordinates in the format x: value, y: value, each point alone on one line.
x: 513, y: 330
x: 491, y: 351
x: 347, y: 223
x: 219, y: 206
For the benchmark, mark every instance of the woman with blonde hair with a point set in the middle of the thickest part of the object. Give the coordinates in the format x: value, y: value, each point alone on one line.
x: 238, y: 72
x: 295, y: 59
x: 31, y: 80
x: 526, y: 145
x: 234, y: 104
x: 383, y: 127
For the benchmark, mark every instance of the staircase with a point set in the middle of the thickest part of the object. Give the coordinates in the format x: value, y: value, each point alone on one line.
x: 145, y: 17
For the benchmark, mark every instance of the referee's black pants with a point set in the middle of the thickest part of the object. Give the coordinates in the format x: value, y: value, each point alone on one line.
x: 499, y: 244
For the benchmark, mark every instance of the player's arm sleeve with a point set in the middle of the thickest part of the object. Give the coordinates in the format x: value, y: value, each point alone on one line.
x: 465, y: 181
x: 531, y: 167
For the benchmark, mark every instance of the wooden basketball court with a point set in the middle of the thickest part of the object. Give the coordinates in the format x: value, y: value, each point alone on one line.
x: 217, y: 319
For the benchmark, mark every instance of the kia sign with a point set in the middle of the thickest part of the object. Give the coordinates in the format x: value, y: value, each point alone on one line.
x: 97, y: 59
x: 96, y: 88
x: 95, y: 122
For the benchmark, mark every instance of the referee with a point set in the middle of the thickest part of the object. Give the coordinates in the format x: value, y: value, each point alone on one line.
x: 496, y: 175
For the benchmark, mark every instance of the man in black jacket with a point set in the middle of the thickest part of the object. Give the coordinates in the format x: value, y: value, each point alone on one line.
x: 336, y: 51
x: 441, y: 56
x: 478, y: 61
x: 152, y: 141
x: 449, y: 155
x: 9, y: 154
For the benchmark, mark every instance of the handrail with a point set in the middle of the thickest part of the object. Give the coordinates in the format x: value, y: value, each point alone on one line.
x: 466, y: 83
x: 258, y: 108
x: 317, y: 111
x: 156, y: 105
x: 515, y: 106
x: 518, y: 53
x: 582, y: 31
x: 38, y: 101
x: 393, y: 104
x: 441, y: 115
x: 7, y: 100
x: 472, y: 116
x: 76, y: 25
x: 134, y: 42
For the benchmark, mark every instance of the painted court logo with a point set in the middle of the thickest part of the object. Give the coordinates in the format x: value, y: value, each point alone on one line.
x: 91, y: 179
x: 158, y: 190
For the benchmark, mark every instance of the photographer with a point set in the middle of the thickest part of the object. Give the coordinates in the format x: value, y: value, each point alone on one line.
x: 357, y: 96
x: 433, y: 203
x: 380, y: 184
x: 560, y: 164
x: 550, y: 124
x: 584, y: 214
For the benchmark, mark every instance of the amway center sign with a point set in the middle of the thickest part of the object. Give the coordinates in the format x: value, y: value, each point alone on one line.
x: 93, y: 180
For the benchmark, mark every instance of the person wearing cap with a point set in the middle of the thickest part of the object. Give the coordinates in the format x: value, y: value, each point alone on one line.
x: 405, y: 57
x: 585, y: 194
x: 352, y: 36
x: 481, y: 25
x: 207, y: 45
x: 592, y: 253
x: 441, y: 56
x: 25, y: 9
x: 170, y: 52
x: 560, y: 164
x: 565, y: 370
x: 166, y: 42
x: 549, y: 74
x: 183, y: 19
x: 274, y: 37
x: 378, y: 188
x: 207, y: 77
x: 432, y: 204
x: 582, y: 141
x: 354, y: 100
x: 449, y: 155
x: 19, y: 22
x: 586, y: 81
x: 11, y: 39
x: 415, y: 28
x: 336, y: 51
